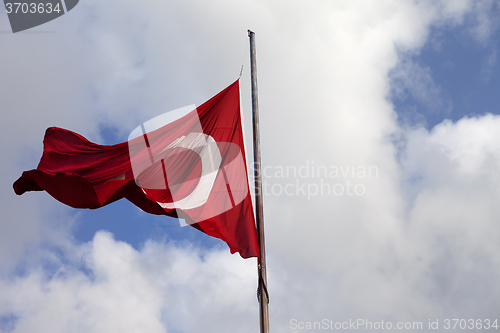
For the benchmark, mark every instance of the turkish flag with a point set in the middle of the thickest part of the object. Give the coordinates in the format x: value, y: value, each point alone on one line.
x: 192, y: 168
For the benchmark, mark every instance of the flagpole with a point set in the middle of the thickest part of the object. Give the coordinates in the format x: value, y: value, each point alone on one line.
x: 262, y: 293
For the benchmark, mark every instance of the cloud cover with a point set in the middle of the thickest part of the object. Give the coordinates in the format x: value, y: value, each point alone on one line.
x: 421, y: 243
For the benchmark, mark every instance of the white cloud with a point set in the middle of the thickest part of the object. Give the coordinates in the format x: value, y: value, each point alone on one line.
x: 411, y: 79
x: 452, y: 222
x: 486, y: 19
x: 115, y: 298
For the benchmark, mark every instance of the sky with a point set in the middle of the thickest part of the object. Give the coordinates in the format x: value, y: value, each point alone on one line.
x: 380, y: 135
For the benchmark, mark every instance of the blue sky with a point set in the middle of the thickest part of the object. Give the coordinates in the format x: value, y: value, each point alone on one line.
x: 464, y: 83
x: 410, y: 88
x: 130, y: 224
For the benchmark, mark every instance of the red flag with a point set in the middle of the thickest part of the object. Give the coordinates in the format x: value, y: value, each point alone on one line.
x: 192, y: 168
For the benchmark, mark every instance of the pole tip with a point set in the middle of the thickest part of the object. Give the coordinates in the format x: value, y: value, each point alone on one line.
x: 250, y: 32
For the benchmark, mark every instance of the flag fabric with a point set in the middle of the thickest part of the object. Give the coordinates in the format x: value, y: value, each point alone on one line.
x: 193, y: 168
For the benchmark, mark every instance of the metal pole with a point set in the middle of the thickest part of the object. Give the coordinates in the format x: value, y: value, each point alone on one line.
x: 262, y: 291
